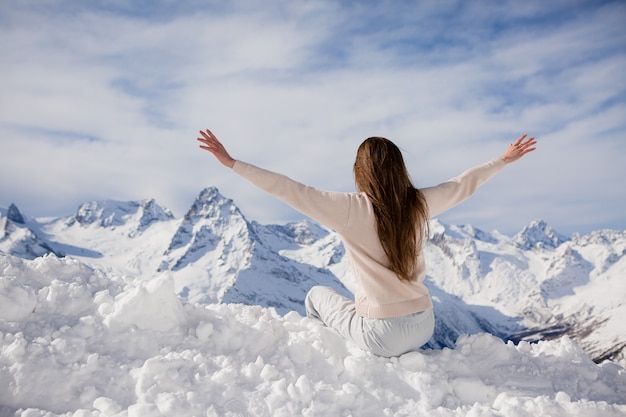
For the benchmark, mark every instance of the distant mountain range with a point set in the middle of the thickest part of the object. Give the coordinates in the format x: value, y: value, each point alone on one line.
x: 535, y: 285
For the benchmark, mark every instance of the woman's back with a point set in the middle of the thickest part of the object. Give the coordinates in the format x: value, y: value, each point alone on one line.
x: 400, y: 209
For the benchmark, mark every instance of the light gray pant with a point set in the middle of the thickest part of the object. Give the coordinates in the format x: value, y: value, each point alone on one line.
x: 383, y: 337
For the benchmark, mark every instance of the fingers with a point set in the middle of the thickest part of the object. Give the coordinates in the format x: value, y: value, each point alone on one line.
x: 526, y: 147
x: 518, y: 141
x: 207, y: 146
x: 529, y: 141
x: 209, y: 139
x: 521, y: 145
x: 207, y: 136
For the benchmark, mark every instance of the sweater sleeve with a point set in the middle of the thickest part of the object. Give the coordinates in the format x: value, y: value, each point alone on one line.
x: 452, y: 192
x: 331, y: 209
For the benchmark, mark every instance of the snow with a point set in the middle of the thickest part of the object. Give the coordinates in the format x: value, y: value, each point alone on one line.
x: 574, y: 286
x: 78, y: 341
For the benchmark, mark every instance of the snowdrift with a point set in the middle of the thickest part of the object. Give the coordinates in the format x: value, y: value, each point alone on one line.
x: 79, y: 342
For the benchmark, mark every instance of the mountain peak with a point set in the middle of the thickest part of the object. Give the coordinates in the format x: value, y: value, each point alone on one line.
x: 14, y: 214
x: 22, y: 240
x: 106, y: 212
x: 538, y: 233
x: 211, y: 214
x: 152, y: 212
x: 111, y: 213
x: 209, y: 193
x: 210, y: 203
x: 209, y: 196
x: 303, y: 232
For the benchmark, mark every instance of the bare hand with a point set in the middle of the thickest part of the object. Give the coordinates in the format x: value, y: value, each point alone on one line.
x: 518, y: 149
x: 214, y: 146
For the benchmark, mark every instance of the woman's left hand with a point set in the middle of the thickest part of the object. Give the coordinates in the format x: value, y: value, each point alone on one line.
x: 214, y: 146
x: 518, y: 149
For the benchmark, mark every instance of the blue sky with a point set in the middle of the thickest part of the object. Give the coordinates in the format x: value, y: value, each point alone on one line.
x: 103, y: 100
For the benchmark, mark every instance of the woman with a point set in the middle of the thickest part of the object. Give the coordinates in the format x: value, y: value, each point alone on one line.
x: 382, y: 228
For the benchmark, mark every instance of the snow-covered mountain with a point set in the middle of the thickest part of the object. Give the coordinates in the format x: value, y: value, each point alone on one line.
x: 535, y: 285
x: 217, y: 255
x: 538, y: 284
x: 20, y: 237
x: 110, y: 214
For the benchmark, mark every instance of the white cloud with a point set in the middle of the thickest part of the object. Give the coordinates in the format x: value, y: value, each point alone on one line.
x: 107, y: 102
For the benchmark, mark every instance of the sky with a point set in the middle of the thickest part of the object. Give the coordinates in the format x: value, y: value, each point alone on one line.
x: 104, y: 100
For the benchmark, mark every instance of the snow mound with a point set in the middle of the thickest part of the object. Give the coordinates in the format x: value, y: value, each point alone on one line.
x: 79, y: 342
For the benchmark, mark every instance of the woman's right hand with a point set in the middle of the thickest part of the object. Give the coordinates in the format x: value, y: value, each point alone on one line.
x: 518, y: 149
x: 214, y: 146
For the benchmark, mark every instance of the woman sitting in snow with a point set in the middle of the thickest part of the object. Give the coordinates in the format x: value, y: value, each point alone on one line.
x: 392, y: 313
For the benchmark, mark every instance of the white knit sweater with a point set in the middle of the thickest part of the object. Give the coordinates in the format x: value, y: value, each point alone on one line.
x: 381, y: 294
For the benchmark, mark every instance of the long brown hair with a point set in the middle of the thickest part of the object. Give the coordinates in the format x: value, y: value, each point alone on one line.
x: 400, y: 208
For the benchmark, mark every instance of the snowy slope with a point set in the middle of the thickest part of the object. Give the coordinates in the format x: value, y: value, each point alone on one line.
x: 19, y: 235
x: 535, y: 285
x: 126, y: 237
x: 79, y: 342
x: 549, y: 285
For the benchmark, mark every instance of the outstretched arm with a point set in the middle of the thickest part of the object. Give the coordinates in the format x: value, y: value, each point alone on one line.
x: 450, y: 193
x: 518, y: 149
x: 214, y: 146
x: 329, y: 208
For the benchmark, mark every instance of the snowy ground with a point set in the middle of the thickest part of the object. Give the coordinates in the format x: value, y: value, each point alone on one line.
x: 76, y: 342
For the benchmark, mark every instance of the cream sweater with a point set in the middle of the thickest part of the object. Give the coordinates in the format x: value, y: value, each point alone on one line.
x: 381, y: 294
